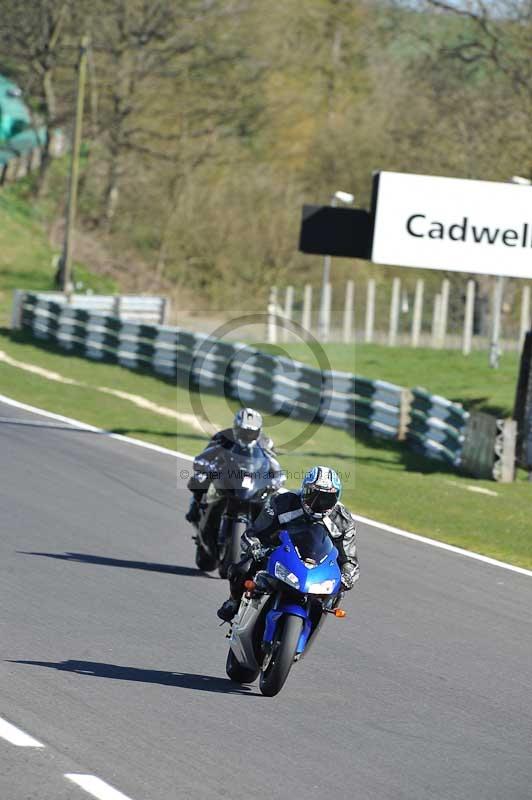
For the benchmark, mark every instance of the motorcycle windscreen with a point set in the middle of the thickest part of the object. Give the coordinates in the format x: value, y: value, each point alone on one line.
x: 245, y: 473
x: 312, y: 542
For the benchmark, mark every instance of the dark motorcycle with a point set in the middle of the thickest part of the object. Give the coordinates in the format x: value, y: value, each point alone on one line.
x: 241, y: 481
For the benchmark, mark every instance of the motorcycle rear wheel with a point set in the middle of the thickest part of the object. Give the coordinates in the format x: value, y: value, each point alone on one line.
x: 237, y: 672
x: 204, y: 561
x: 284, y: 647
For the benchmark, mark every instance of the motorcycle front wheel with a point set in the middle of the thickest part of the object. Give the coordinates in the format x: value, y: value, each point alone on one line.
x: 284, y: 647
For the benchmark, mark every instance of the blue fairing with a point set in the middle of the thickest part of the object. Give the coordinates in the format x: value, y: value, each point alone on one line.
x: 308, y: 561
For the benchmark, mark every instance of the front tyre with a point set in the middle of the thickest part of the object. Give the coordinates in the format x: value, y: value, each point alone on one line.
x: 284, y: 649
x: 237, y: 672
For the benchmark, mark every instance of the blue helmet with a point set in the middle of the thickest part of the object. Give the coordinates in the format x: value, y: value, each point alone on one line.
x: 320, y: 492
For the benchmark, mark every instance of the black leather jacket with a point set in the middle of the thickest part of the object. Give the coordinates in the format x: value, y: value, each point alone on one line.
x: 206, y: 461
x: 283, y: 507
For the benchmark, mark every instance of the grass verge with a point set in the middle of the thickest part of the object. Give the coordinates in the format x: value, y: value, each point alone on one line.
x: 382, y: 479
x: 26, y: 257
x: 463, y: 379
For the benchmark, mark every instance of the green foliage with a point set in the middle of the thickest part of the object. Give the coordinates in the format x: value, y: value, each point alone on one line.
x: 207, y: 125
x: 27, y: 261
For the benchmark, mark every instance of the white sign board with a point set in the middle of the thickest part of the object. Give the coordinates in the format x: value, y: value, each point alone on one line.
x: 453, y: 224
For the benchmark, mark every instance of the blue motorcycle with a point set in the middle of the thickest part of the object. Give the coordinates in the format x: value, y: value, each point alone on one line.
x: 284, y: 606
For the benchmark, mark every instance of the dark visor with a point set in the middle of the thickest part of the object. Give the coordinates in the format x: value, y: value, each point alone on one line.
x: 321, y: 501
x: 247, y: 436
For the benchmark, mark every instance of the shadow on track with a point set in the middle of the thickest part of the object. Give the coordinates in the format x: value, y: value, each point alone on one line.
x: 149, y: 566
x: 182, y: 680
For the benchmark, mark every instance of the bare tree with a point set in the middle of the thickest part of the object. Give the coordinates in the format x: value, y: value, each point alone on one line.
x: 149, y: 61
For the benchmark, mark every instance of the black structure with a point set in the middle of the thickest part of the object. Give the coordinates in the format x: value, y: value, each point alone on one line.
x: 326, y: 230
x: 523, y: 407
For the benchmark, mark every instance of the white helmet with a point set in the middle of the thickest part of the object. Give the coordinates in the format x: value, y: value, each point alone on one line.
x: 247, y: 427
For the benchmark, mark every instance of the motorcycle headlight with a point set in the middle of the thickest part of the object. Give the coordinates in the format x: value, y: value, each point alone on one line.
x: 325, y: 587
x: 285, y: 575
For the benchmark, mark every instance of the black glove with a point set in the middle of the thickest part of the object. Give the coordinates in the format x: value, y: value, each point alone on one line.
x: 253, y: 546
x: 193, y: 513
x: 349, y: 576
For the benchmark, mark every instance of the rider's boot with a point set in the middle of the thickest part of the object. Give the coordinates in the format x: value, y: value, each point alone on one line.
x: 193, y: 514
x: 228, y: 610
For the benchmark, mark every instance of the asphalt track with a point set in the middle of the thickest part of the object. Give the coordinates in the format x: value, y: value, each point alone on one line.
x: 111, y: 654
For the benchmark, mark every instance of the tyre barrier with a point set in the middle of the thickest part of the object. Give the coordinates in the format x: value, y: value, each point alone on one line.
x: 437, y: 427
x: 432, y: 426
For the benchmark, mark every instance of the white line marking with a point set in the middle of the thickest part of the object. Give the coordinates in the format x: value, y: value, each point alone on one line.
x: 85, y: 427
x: 481, y: 490
x: 192, y: 421
x: 184, y: 457
x: 442, y: 545
x: 478, y: 489
x: 16, y: 736
x: 96, y: 787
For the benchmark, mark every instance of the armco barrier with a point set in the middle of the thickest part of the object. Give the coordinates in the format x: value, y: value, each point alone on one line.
x: 431, y: 425
x: 130, y: 307
x: 437, y: 427
x: 348, y: 400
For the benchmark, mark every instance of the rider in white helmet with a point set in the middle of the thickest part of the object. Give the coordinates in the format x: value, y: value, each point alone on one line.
x: 245, y: 433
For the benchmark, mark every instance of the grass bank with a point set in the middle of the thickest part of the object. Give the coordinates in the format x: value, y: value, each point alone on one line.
x: 27, y: 261
x: 464, y: 379
x: 382, y: 479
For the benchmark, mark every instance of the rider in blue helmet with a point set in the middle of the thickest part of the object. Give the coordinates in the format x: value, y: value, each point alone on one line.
x: 317, y: 500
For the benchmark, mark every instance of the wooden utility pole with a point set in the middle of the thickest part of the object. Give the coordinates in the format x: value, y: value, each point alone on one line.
x: 65, y: 266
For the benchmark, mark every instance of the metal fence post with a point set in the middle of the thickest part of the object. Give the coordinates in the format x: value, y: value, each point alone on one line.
x: 524, y: 324
x: 272, y: 316
x: 468, y: 318
x: 394, y: 312
x: 165, y: 311
x: 495, y: 344
x: 288, y: 306
x: 436, y: 312
x: 370, y: 311
x: 16, y: 313
x: 405, y: 406
x: 326, y: 308
x: 348, y: 311
x: 507, y: 457
x: 306, y: 320
x: 418, y: 313
x: 444, y: 312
